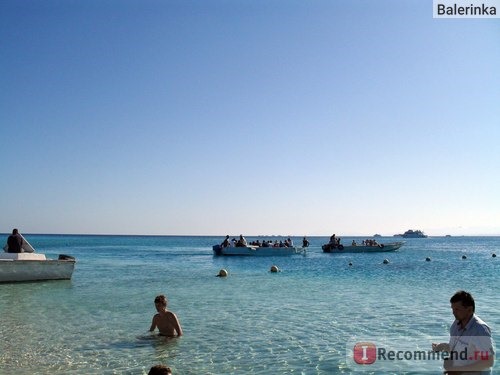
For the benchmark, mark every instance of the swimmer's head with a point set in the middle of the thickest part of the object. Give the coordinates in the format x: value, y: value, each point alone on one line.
x: 161, y: 300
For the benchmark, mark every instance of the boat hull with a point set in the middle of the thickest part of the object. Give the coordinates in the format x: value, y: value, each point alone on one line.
x: 257, y: 251
x: 20, y: 267
x: 381, y: 248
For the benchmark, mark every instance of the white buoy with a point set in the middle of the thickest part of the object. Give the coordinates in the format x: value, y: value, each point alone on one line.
x: 223, y: 273
x: 274, y: 268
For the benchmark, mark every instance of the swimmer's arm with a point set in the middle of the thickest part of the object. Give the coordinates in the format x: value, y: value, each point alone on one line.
x: 177, y: 326
x: 153, y: 324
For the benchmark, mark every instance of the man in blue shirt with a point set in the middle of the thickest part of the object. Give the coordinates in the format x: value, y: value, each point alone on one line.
x: 471, y: 347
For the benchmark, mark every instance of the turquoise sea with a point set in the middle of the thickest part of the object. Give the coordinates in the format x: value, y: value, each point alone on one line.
x: 297, y: 321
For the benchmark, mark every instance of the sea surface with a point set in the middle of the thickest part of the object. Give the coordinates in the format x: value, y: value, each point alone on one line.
x: 302, y: 320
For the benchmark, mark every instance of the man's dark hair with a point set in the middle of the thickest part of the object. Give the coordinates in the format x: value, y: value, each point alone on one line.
x: 160, y: 370
x: 464, y: 297
x: 15, y: 231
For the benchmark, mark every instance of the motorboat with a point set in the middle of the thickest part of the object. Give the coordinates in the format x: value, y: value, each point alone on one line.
x: 252, y: 250
x: 31, y: 266
x: 376, y: 248
x: 34, y: 267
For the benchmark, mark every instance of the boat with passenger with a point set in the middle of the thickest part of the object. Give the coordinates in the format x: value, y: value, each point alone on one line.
x: 252, y: 250
x: 31, y: 266
x: 257, y: 248
x: 363, y: 248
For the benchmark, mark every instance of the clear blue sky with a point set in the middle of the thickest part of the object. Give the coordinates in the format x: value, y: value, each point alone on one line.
x: 255, y: 117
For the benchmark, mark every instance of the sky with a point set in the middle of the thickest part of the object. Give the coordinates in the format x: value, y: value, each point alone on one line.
x: 217, y: 117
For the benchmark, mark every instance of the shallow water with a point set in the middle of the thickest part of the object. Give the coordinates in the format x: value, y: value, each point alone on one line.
x: 297, y: 321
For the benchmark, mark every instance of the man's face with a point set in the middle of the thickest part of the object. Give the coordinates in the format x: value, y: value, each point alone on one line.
x: 460, y: 312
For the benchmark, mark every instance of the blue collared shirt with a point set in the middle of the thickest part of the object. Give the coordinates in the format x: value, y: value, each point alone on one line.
x: 471, y: 344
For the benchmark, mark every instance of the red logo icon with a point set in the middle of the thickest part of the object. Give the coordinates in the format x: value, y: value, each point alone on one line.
x: 364, y: 353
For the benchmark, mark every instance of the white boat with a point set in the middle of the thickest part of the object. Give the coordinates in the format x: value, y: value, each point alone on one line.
x: 34, y: 267
x: 257, y: 250
x: 31, y: 266
x: 379, y: 248
x: 412, y: 234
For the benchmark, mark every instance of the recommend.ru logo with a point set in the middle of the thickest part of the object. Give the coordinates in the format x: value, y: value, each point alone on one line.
x: 364, y: 353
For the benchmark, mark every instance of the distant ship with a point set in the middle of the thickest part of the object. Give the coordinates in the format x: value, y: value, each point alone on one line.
x: 412, y: 234
x: 377, y: 235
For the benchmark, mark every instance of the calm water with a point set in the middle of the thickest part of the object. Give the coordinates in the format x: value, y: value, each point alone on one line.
x: 298, y: 321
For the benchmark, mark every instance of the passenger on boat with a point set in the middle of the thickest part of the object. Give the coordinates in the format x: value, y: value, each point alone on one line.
x: 242, y: 242
x: 15, y: 242
x: 226, y: 242
x: 305, y: 242
x: 333, y: 240
x: 265, y: 243
x: 288, y: 242
x: 354, y: 243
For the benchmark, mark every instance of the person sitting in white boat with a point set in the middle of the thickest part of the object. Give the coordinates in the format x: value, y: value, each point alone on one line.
x: 226, y: 242
x: 333, y: 240
x: 15, y: 242
x: 242, y: 242
x: 354, y: 243
x: 288, y: 242
x: 369, y: 242
x: 305, y: 242
x: 265, y: 243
